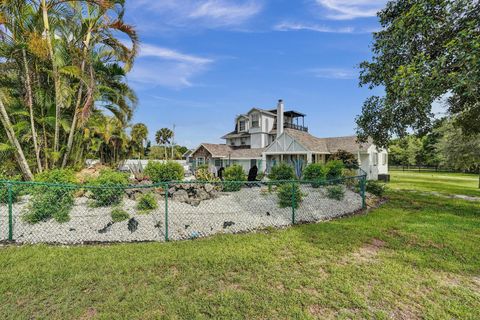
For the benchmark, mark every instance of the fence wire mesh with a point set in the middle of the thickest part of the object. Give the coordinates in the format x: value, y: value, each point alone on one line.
x: 73, y: 214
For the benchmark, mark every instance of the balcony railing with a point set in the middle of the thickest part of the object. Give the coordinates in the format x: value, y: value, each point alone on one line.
x: 292, y: 126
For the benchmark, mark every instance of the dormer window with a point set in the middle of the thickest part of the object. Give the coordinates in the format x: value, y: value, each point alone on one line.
x: 255, y: 120
x: 241, y: 125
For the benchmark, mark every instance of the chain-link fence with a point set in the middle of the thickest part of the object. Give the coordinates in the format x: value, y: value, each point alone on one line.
x: 33, y: 212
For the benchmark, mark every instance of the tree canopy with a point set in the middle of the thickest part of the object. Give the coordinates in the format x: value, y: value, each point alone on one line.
x: 425, y: 51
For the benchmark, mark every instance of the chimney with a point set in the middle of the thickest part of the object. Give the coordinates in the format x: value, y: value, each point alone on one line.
x: 280, y: 117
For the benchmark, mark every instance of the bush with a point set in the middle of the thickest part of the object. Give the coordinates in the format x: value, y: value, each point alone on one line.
x: 109, y: 187
x: 234, y: 173
x: 282, y: 171
x: 285, y: 194
x: 335, y: 192
x: 204, y: 175
x: 119, y: 215
x: 334, y: 169
x: 164, y: 172
x: 51, y: 201
x: 376, y: 188
x: 147, y: 202
x: 16, y: 189
x: 315, y: 172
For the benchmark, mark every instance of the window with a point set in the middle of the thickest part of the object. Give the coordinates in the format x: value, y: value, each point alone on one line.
x: 255, y: 120
x: 375, y: 159
x: 218, y: 162
x: 232, y: 142
x: 241, y: 125
x: 384, y: 159
x: 200, y: 161
x: 243, y: 141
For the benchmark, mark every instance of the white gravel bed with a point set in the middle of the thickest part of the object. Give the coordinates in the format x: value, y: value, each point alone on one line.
x: 243, y: 211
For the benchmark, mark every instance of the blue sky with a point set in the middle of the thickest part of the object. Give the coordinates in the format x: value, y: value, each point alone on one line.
x: 202, y: 62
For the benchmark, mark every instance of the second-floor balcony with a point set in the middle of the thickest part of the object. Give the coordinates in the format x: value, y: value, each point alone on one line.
x: 292, y: 126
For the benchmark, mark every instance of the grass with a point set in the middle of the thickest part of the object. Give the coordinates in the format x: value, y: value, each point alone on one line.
x: 415, y: 257
x: 445, y: 183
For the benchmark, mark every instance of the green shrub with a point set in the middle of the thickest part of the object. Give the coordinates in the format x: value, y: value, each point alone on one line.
x: 16, y: 189
x: 147, y: 202
x: 282, y: 171
x: 164, y: 172
x: 335, y: 192
x: 51, y: 201
x: 108, y: 187
x: 234, y: 173
x: 334, y: 169
x: 315, y: 172
x: 119, y: 215
x: 204, y: 175
x: 287, y: 192
x: 376, y: 188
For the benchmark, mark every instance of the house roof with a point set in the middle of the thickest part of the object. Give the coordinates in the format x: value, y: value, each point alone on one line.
x: 310, y: 142
x: 247, y: 153
x: 216, y: 150
x: 235, y: 134
x: 328, y: 145
x: 225, y: 151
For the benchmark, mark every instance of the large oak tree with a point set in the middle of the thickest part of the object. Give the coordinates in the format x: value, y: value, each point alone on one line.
x: 426, y: 50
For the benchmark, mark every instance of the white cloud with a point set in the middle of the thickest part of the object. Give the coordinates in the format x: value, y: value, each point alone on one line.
x: 289, y: 26
x: 201, y: 13
x: 334, y: 73
x: 351, y: 9
x: 167, y: 67
x: 148, y: 50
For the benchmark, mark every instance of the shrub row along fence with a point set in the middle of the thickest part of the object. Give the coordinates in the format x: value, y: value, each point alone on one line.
x: 33, y: 212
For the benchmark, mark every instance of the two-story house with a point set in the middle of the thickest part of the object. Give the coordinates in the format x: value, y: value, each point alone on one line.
x: 259, y: 140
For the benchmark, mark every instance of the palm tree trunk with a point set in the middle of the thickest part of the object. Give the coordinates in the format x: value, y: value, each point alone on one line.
x: 30, y: 107
x: 77, y: 104
x: 19, y: 155
x: 56, y: 78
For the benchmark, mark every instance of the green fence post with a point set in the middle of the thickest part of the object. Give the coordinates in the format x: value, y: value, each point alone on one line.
x: 10, y: 212
x: 166, y: 211
x: 294, y: 202
x: 362, y: 190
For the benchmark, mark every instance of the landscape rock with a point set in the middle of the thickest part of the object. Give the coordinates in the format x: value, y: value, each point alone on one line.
x: 132, y: 225
x: 209, y: 187
x: 106, y: 228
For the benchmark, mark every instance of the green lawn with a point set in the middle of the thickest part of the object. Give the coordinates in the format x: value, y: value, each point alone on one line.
x: 418, y: 256
x: 445, y: 183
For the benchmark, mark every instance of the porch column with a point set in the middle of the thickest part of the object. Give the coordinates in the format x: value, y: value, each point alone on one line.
x: 263, y: 165
x: 309, y: 157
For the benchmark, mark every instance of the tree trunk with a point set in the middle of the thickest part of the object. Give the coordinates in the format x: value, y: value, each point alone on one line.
x: 19, y: 155
x: 58, y: 94
x: 28, y: 86
x: 77, y: 104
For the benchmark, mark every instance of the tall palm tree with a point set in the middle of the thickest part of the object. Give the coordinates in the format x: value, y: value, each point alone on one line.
x: 163, y: 137
x: 139, y: 136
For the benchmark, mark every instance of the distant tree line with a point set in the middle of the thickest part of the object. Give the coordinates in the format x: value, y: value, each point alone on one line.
x: 445, y: 146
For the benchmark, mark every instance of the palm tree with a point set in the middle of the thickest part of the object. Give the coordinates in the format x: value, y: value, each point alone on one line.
x: 139, y: 136
x: 62, y: 61
x: 163, y: 137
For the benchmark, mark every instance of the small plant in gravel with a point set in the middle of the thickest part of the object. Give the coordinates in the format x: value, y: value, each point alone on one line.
x: 376, y: 188
x: 282, y: 171
x: 335, y: 192
x: 119, y: 215
x: 51, y: 201
x: 289, y: 195
x: 164, y: 172
x: 232, y: 174
x: 316, y: 173
x: 147, y: 202
x: 109, y: 188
